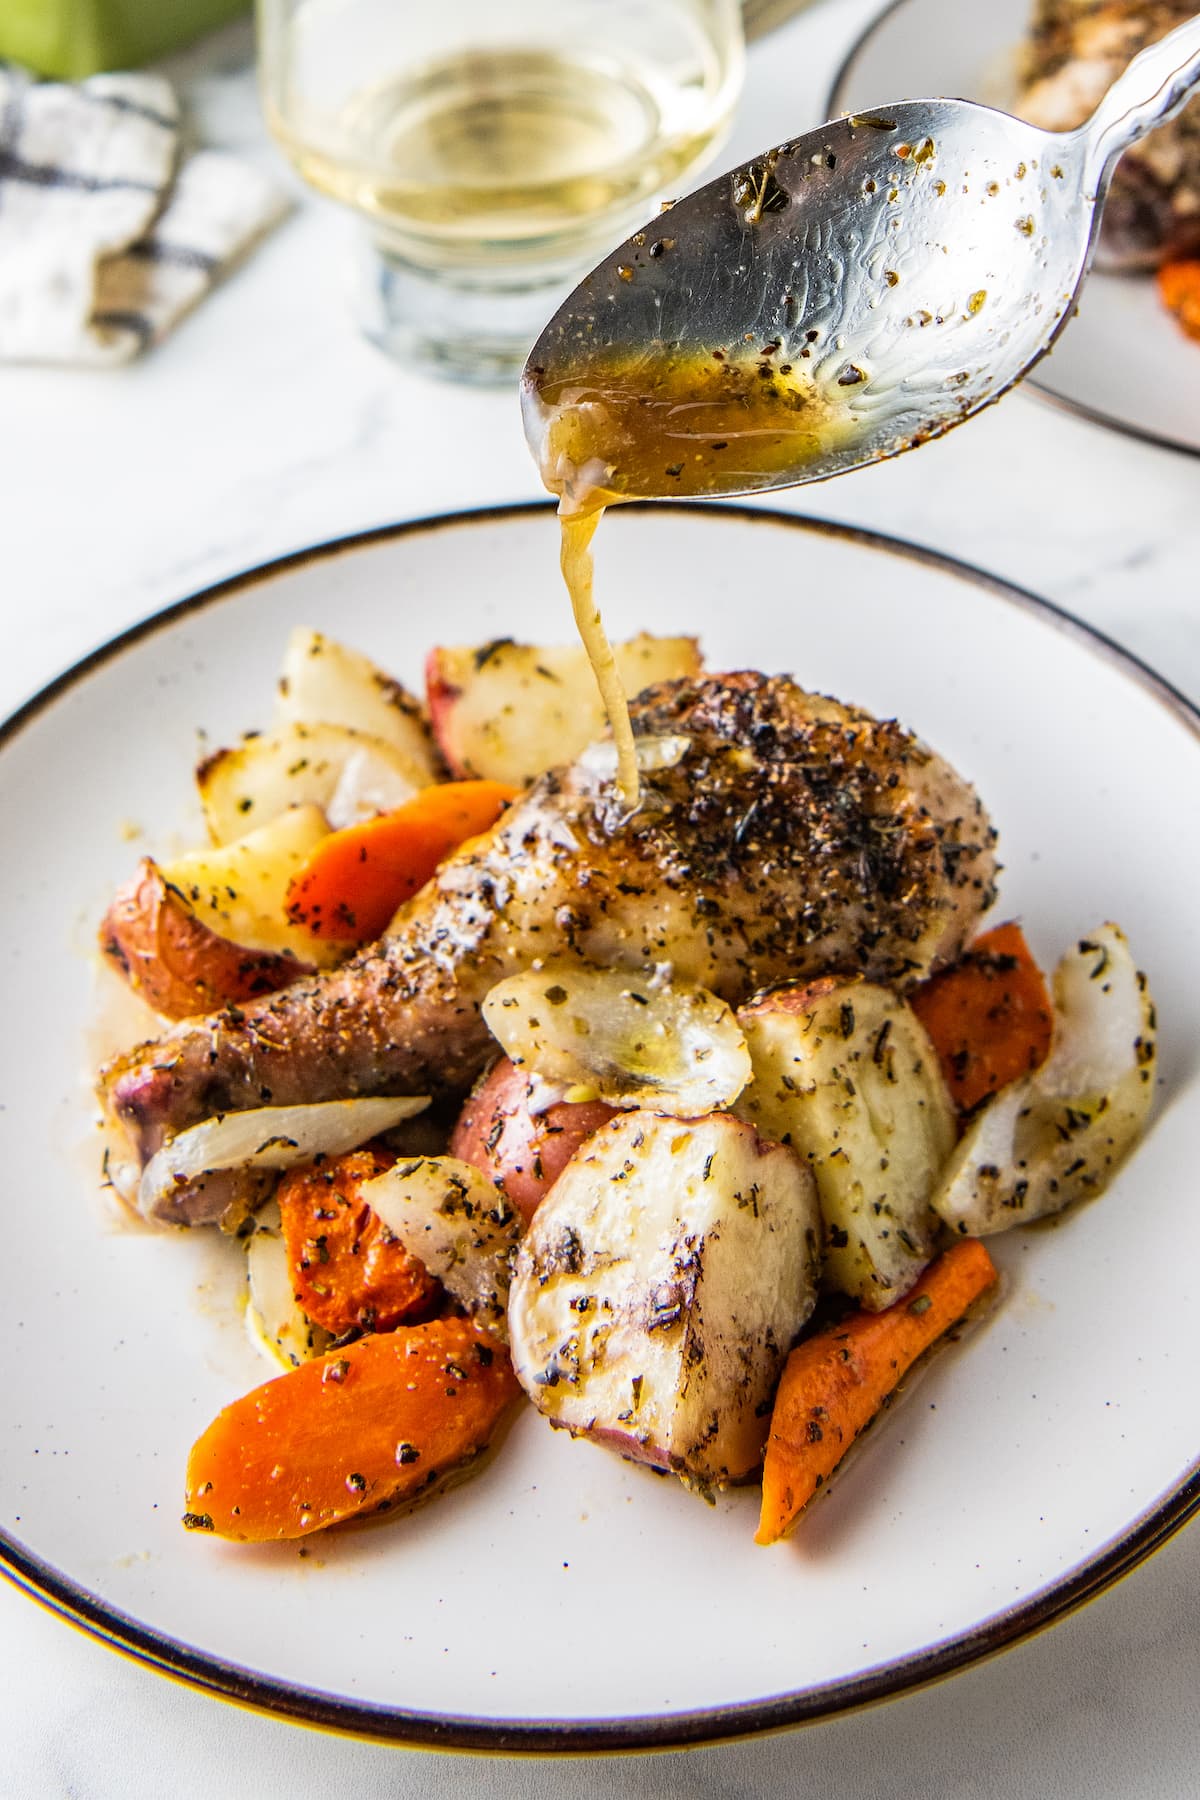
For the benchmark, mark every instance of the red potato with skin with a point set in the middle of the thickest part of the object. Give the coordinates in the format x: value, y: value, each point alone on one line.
x: 523, y: 1152
x: 509, y: 711
x: 172, y: 959
x: 441, y: 696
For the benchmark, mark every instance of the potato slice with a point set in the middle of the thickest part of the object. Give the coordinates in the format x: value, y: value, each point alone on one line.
x: 276, y: 1323
x: 239, y: 889
x: 660, y: 1287
x: 845, y: 1073
x: 603, y: 1034
x: 303, y: 765
x: 323, y: 682
x: 458, y: 1223
x: 508, y: 711
x: 176, y: 962
x: 1060, y: 1134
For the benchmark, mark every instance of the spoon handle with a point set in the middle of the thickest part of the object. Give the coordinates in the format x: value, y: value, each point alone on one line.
x: 1152, y: 89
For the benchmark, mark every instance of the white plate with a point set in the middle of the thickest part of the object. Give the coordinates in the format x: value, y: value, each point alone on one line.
x: 1123, y: 361
x: 564, y: 1598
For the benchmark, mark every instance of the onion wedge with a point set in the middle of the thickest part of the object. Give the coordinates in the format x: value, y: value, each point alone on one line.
x: 1059, y: 1135
x: 266, y: 1137
x: 459, y: 1224
x: 632, y: 1041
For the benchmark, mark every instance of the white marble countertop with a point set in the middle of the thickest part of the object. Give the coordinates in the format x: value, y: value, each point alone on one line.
x: 266, y: 424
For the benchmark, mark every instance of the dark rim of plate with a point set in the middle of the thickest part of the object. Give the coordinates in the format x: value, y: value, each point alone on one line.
x: 448, y: 1731
x: 1038, y: 383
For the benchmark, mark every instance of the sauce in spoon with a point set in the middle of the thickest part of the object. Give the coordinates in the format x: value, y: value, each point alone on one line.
x: 655, y: 423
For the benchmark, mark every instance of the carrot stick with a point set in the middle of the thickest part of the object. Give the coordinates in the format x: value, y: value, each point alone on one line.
x: 353, y: 1432
x: 1179, y: 286
x: 835, y: 1382
x: 989, y: 1016
x: 348, y: 1271
x: 355, y: 879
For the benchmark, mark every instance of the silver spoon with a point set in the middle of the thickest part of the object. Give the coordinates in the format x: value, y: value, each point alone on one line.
x: 893, y: 271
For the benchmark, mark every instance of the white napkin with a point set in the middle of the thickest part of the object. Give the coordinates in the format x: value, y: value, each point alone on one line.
x: 108, y: 231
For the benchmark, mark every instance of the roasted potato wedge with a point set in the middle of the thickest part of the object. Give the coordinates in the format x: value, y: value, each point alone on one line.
x: 508, y: 711
x: 845, y: 1073
x: 239, y: 889
x: 348, y: 774
x: 323, y: 682
x: 660, y: 1287
x: 1059, y: 1135
x: 177, y: 962
x: 520, y: 1144
x: 276, y: 1323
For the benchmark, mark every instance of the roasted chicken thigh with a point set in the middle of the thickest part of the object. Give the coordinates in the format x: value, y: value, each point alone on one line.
x: 781, y: 835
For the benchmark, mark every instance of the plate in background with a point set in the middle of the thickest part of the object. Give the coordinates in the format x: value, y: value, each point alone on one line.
x: 562, y: 1599
x: 1123, y: 361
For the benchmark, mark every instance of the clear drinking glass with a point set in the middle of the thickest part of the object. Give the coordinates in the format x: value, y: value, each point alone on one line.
x: 495, y: 148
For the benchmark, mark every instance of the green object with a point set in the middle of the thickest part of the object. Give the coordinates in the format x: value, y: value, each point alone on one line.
x: 72, y: 38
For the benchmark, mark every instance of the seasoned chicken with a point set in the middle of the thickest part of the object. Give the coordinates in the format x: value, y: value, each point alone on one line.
x: 784, y: 835
x: 1076, y: 50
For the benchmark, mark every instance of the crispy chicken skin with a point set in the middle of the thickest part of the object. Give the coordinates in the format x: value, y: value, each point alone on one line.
x: 793, y: 836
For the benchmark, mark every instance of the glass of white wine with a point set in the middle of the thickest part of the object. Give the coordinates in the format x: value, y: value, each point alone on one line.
x: 495, y: 148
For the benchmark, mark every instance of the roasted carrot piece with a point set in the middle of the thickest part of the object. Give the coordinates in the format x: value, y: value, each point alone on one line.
x: 989, y: 1016
x: 353, y: 1432
x: 348, y: 1271
x: 1179, y: 285
x: 355, y: 879
x: 835, y: 1381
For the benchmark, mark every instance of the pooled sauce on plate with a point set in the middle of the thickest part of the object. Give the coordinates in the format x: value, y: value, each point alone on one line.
x: 648, y: 424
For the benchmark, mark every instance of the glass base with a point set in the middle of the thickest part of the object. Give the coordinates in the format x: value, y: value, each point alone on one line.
x: 450, y: 323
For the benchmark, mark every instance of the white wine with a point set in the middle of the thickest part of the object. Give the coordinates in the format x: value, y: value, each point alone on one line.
x: 477, y: 155
x: 494, y: 148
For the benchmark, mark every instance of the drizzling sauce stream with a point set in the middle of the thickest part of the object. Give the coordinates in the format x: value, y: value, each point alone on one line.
x: 652, y: 423
x: 575, y: 555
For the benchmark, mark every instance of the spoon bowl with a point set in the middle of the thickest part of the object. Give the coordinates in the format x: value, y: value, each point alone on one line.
x: 845, y: 296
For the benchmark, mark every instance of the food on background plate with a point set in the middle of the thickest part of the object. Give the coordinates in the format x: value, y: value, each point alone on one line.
x: 1055, y: 1135
x: 1076, y: 50
x: 663, y: 1097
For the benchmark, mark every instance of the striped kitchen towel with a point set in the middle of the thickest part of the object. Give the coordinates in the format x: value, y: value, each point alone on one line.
x: 109, y: 230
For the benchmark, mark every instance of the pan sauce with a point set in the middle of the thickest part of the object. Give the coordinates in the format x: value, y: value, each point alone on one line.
x: 650, y: 425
